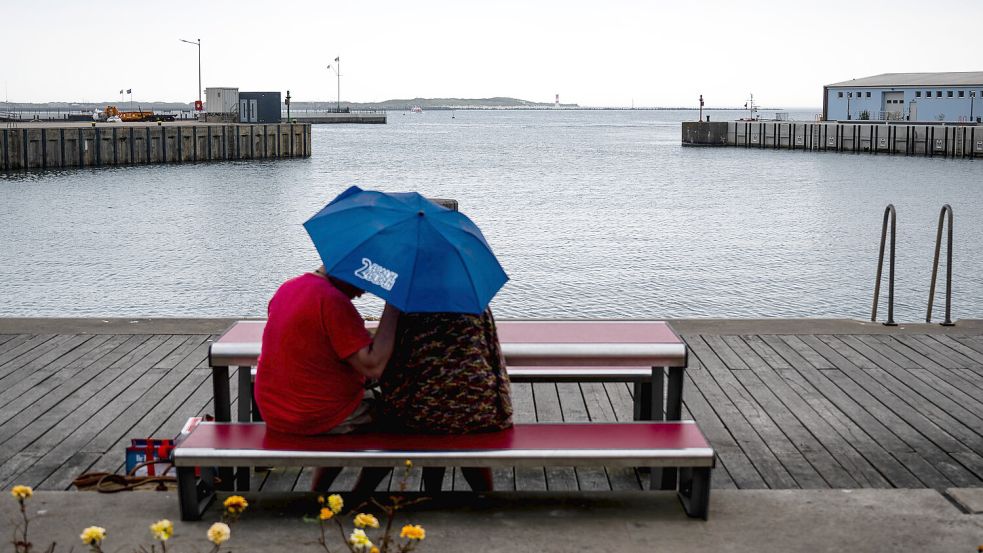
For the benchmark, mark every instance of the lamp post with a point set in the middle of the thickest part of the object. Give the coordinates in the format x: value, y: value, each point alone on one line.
x: 337, y: 71
x: 198, y: 44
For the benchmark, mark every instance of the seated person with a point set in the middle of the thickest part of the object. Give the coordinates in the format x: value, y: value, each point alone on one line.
x: 315, y: 359
x: 447, y: 376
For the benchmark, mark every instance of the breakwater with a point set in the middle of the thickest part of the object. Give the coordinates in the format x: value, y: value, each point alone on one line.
x: 56, y: 145
x: 912, y: 139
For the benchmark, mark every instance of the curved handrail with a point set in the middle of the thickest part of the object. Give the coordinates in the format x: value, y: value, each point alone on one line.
x: 889, y: 212
x: 946, y: 210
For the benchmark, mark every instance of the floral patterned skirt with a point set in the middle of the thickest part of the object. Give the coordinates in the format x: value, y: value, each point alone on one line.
x: 446, y: 376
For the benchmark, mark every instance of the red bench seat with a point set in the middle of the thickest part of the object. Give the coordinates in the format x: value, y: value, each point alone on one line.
x: 655, y: 444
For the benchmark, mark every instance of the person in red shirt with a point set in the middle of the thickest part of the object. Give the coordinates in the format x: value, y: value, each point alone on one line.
x: 315, y: 360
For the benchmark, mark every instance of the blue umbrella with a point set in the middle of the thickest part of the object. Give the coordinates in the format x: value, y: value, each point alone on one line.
x: 413, y: 253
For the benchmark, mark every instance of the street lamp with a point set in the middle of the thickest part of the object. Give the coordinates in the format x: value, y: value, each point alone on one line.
x: 198, y: 44
x: 337, y: 71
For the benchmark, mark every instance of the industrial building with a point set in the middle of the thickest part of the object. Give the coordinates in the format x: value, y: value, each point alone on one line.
x: 921, y: 97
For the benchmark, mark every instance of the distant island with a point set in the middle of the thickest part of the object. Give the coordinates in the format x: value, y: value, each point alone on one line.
x: 428, y: 104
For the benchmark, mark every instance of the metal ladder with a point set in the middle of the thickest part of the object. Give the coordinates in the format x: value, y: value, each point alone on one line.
x: 890, y: 215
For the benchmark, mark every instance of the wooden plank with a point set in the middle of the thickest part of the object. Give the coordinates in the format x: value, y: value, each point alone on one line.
x: 874, y: 359
x: 622, y: 402
x: 524, y: 410
x: 77, y: 465
x: 907, y: 423
x: 723, y: 351
x: 774, y: 471
x: 790, y: 355
x: 146, y: 415
x: 4, y: 338
x: 807, y: 353
x: 21, y: 430
x: 50, y: 358
x: 924, y: 344
x: 66, y: 438
x: 963, y: 349
x: 32, y: 349
x: 548, y: 410
x: 31, y: 389
x: 14, y: 349
x: 600, y: 409
x: 773, y: 359
x: 832, y: 473
x: 281, y: 479
x: 851, y: 354
x: 896, y: 358
x: 574, y: 409
x: 750, y: 357
x: 761, y: 423
x: 853, y: 462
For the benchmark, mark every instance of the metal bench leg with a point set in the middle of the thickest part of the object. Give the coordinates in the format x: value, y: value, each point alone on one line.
x: 194, y: 494
x: 245, y: 403
x: 694, y: 491
x: 657, y: 476
x: 674, y: 412
x: 222, y: 405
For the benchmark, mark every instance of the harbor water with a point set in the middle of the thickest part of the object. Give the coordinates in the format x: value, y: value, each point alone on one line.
x: 592, y: 214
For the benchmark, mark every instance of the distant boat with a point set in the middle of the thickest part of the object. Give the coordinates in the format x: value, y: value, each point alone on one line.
x: 417, y: 109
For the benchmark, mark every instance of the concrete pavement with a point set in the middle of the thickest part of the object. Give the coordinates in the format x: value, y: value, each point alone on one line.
x: 759, y: 521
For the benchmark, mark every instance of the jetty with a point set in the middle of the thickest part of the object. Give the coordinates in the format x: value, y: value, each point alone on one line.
x: 957, y: 141
x: 41, y: 145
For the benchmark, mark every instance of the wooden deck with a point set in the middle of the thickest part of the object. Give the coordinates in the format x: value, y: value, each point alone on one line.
x: 799, y: 410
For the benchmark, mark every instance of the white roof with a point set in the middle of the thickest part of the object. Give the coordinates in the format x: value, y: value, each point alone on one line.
x: 964, y: 78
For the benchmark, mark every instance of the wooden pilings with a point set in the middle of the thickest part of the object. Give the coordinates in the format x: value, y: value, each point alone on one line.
x: 47, y: 146
x: 912, y: 139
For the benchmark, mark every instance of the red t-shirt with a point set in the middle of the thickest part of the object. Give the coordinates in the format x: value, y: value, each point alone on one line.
x: 303, y: 386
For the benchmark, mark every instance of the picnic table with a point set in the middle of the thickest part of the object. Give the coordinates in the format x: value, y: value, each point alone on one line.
x: 641, y: 352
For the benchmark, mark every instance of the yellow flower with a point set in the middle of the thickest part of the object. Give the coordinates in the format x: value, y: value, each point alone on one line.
x: 374, y: 549
x: 335, y: 503
x: 326, y: 514
x: 21, y: 493
x: 409, y: 464
x: 359, y: 540
x: 219, y: 533
x: 363, y: 520
x: 162, y: 529
x: 413, y: 532
x: 236, y: 504
x: 93, y: 535
x: 320, y: 500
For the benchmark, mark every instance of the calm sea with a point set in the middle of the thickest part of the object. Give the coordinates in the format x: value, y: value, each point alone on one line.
x: 592, y: 213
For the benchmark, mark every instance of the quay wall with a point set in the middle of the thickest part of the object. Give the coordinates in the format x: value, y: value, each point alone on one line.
x: 57, y: 145
x: 911, y: 139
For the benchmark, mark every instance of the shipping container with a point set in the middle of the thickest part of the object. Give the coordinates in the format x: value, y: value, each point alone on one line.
x: 259, y: 107
x: 221, y: 100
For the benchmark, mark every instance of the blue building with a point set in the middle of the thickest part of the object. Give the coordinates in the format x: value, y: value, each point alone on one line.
x: 925, y: 97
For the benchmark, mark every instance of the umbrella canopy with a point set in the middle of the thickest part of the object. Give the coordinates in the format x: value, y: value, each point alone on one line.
x: 413, y: 253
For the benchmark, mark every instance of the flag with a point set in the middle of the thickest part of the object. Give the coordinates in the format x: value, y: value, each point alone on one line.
x: 745, y: 105
x: 121, y: 91
x: 129, y: 91
x: 338, y: 58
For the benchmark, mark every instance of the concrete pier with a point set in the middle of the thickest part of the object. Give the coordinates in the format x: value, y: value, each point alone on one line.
x: 875, y: 137
x: 366, y: 118
x: 57, y: 145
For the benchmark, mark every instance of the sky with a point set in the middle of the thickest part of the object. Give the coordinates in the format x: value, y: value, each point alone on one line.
x: 600, y: 53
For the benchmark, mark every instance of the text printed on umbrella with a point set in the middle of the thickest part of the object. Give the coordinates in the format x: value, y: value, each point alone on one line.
x: 376, y: 274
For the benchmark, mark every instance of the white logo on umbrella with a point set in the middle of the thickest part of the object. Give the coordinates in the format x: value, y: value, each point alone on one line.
x: 376, y: 274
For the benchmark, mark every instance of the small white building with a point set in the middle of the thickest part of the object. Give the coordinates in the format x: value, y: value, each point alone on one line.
x: 925, y: 97
x: 221, y: 100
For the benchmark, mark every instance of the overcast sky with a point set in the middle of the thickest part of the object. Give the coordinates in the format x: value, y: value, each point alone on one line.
x: 600, y: 53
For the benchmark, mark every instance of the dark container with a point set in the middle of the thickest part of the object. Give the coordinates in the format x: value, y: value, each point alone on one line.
x: 259, y: 107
